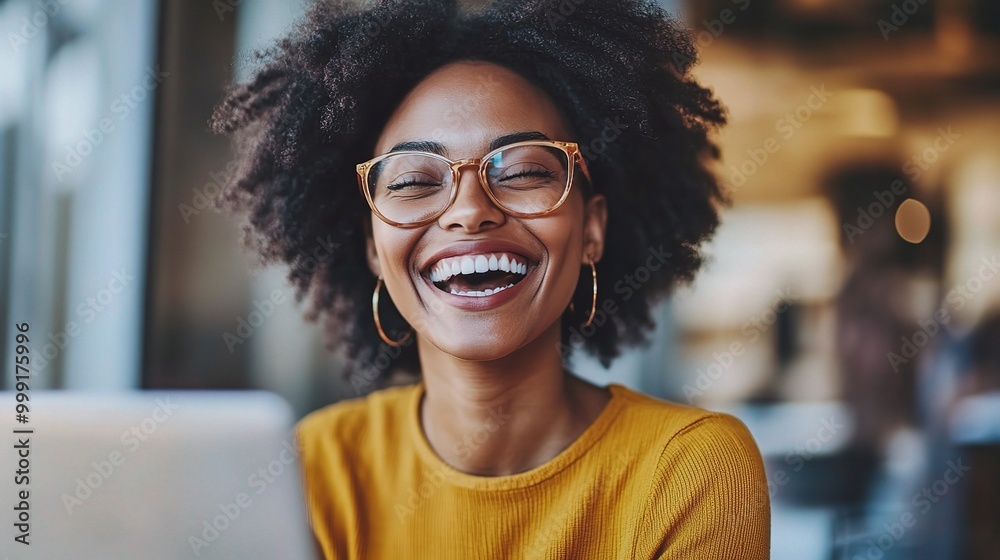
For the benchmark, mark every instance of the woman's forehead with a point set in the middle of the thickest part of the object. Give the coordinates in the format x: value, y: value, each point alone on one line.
x: 467, y: 105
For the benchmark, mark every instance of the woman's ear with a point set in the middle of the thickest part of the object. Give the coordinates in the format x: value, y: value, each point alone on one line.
x: 595, y: 221
x: 370, y: 253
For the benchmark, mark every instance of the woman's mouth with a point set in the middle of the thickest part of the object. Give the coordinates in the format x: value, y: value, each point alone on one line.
x: 478, y: 274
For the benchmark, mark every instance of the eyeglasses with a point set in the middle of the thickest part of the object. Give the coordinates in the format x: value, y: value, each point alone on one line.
x: 524, y: 179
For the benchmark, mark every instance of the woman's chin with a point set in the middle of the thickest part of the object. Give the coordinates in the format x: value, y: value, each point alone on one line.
x: 474, y: 348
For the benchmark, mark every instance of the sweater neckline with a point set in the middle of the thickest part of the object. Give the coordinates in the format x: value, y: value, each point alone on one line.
x: 553, y: 466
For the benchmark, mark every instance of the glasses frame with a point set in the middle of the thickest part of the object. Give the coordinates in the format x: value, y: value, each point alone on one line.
x: 573, y: 157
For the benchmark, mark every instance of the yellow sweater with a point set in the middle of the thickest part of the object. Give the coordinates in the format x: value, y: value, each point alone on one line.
x: 648, y: 479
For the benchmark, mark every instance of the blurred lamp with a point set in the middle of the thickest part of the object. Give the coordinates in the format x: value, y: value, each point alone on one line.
x: 867, y: 113
x: 913, y: 220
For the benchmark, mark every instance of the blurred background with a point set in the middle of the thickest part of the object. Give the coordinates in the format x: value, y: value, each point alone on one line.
x: 848, y: 314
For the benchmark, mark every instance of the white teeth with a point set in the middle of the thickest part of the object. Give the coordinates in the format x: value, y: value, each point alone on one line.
x: 475, y: 264
x: 468, y: 265
x: 482, y: 264
x: 484, y: 293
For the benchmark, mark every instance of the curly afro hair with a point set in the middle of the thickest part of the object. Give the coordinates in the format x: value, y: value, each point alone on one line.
x: 322, y: 95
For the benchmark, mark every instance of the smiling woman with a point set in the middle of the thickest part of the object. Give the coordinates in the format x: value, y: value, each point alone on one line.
x: 490, y: 204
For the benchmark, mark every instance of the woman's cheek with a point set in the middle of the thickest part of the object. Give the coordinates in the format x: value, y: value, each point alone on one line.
x: 394, y: 252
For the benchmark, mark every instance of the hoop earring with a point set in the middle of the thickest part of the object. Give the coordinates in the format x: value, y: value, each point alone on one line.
x: 593, y: 303
x: 378, y: 324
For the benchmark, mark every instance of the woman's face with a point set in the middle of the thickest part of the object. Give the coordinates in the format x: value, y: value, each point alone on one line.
x: 464, y: 107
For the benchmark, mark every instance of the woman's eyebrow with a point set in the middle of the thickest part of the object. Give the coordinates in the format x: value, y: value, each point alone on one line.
x: 517, y: 137
x: 419, y: 146
x: 438, y: 148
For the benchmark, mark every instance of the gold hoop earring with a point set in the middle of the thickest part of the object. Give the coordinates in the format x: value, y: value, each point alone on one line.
x: 378, y: 324
x: 593, y: 303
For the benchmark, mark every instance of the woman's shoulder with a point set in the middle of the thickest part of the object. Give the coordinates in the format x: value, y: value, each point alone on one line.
x: 352, y: 420
x: 703, y: 466
x: 679, y: 437
x: 670, y: 421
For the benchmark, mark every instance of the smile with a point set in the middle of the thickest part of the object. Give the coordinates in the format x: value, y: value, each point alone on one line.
x: 478, y: 274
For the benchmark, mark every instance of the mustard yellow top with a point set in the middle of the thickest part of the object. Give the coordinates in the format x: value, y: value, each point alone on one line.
x: 648, y: 479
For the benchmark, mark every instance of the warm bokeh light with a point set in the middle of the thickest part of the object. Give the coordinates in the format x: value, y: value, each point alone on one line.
x: 913, y: 220
x: 867, y: 113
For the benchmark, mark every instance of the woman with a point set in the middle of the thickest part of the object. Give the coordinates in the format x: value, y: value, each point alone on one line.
x: 521, y: 169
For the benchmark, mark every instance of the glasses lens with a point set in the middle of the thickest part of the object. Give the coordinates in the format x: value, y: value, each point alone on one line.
x: 409, y: 188
x: 528, y: 179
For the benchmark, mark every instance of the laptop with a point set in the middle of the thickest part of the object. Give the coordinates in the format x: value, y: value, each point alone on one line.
x: 151, y: 475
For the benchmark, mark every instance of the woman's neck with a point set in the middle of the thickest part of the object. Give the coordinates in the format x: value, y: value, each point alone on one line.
x: 505, y: 416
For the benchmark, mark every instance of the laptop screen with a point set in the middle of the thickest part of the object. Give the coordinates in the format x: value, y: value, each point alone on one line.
x: 153, y: 475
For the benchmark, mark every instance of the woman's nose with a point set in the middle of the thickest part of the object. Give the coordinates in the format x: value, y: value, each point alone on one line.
x: 473, y: 209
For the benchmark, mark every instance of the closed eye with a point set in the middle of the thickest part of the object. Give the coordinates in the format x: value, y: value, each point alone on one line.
x: 540, y: 172
x: 410, y: 184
